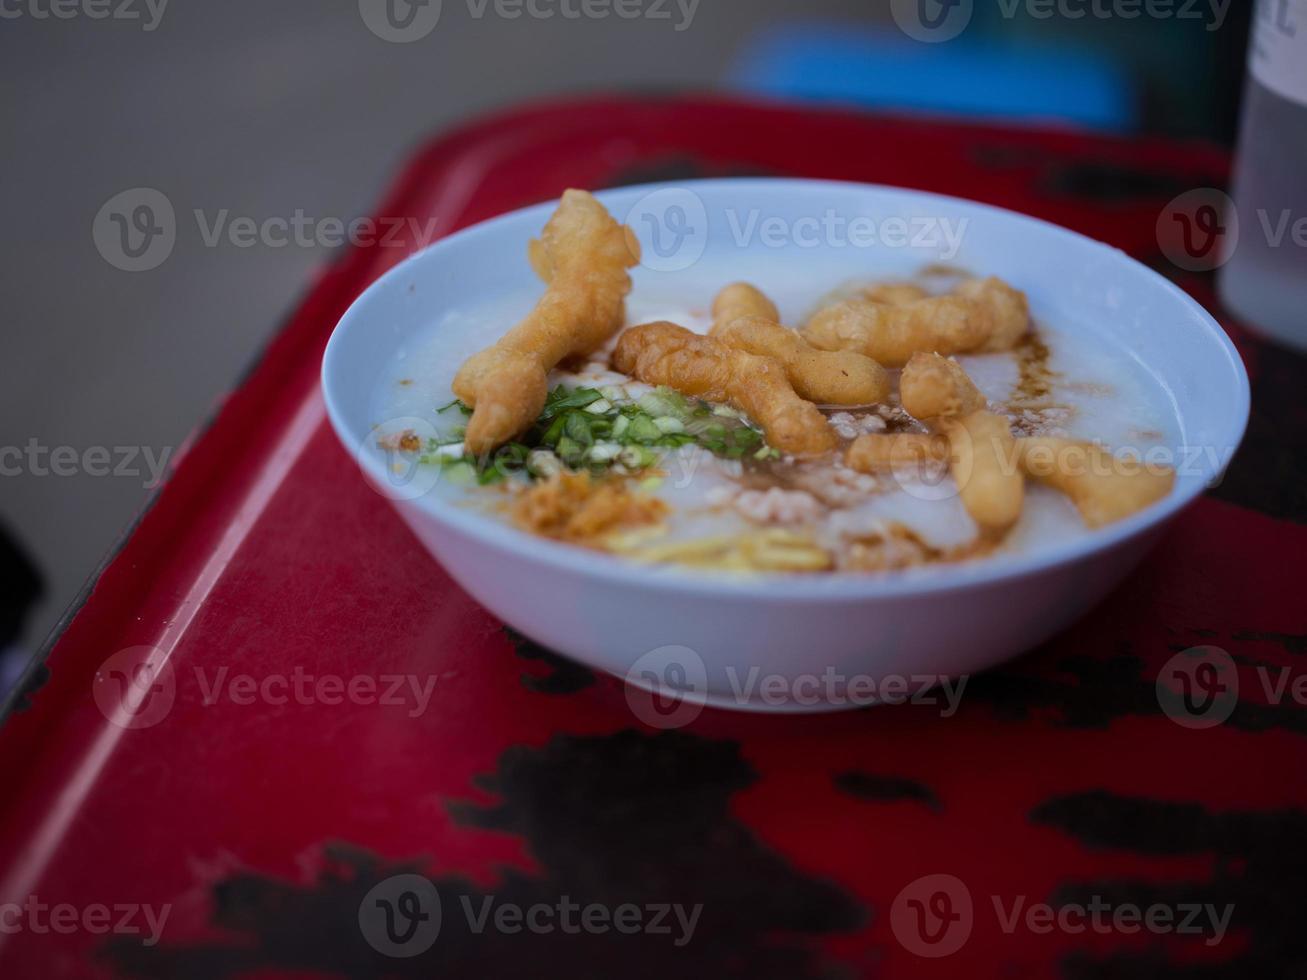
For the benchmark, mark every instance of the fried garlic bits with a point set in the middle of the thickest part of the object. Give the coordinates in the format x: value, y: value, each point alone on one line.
x: 583, y: 255
x: 663, y: 353
x: 1104, y: 488
x: 934, y: 386
x: 582, y: 509
x: 744, y: 319
x: 980, y: 315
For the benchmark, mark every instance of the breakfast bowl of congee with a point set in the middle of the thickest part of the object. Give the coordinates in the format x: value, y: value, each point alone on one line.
x: 783, y: 428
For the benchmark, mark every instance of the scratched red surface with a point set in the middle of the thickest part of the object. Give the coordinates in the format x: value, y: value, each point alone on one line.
x: 261, y: 825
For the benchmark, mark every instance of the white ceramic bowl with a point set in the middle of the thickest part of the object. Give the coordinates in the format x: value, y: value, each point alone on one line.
x: 709, y: 635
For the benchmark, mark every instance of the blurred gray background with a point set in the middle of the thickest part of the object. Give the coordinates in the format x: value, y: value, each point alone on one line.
x: 264, y: 108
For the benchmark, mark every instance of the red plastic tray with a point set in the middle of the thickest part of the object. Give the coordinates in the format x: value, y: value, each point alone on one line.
x: 262, y: 828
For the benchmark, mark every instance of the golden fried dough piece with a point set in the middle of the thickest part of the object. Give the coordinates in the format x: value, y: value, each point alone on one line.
x: 893, y: 321
x: 934, y: 387
x: 881, y: 451
x: 890, y: 335
x: 1007, y: 310
x: 824, y: 377
x: 663, y: 353
x: 895, y: 293
x: 744, y: 318
x: 741, y: 299
x: 1104, y: 488
x: 583, y: 255
x: 982, y: 456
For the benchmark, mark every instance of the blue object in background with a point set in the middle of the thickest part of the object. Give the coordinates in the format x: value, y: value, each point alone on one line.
x: 965, y: 77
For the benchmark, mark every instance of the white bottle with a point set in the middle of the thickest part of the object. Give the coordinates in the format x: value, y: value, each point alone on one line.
x: 1265, y: 280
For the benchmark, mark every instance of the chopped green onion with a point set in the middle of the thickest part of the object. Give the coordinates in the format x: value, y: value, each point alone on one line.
x: 578, y: 429
x: 668, y: 425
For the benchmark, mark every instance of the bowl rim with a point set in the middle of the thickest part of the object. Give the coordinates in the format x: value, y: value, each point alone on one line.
x: 487, y: 531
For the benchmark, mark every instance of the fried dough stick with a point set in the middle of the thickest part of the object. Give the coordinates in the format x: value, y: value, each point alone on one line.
x: 982, y: 456
x: 895, y: 293
x: 742, y: 299
x: 1104, y: 488
x: 981, y: 315
x: 881, y: 451
x: 663, y: 353
x: 583, y: 255
x: 745, y: 319
x: 980, y: 448
x: 980, y: 452
x: 934, y: 386
x: 1006, y: 309
x: 890, y: 335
